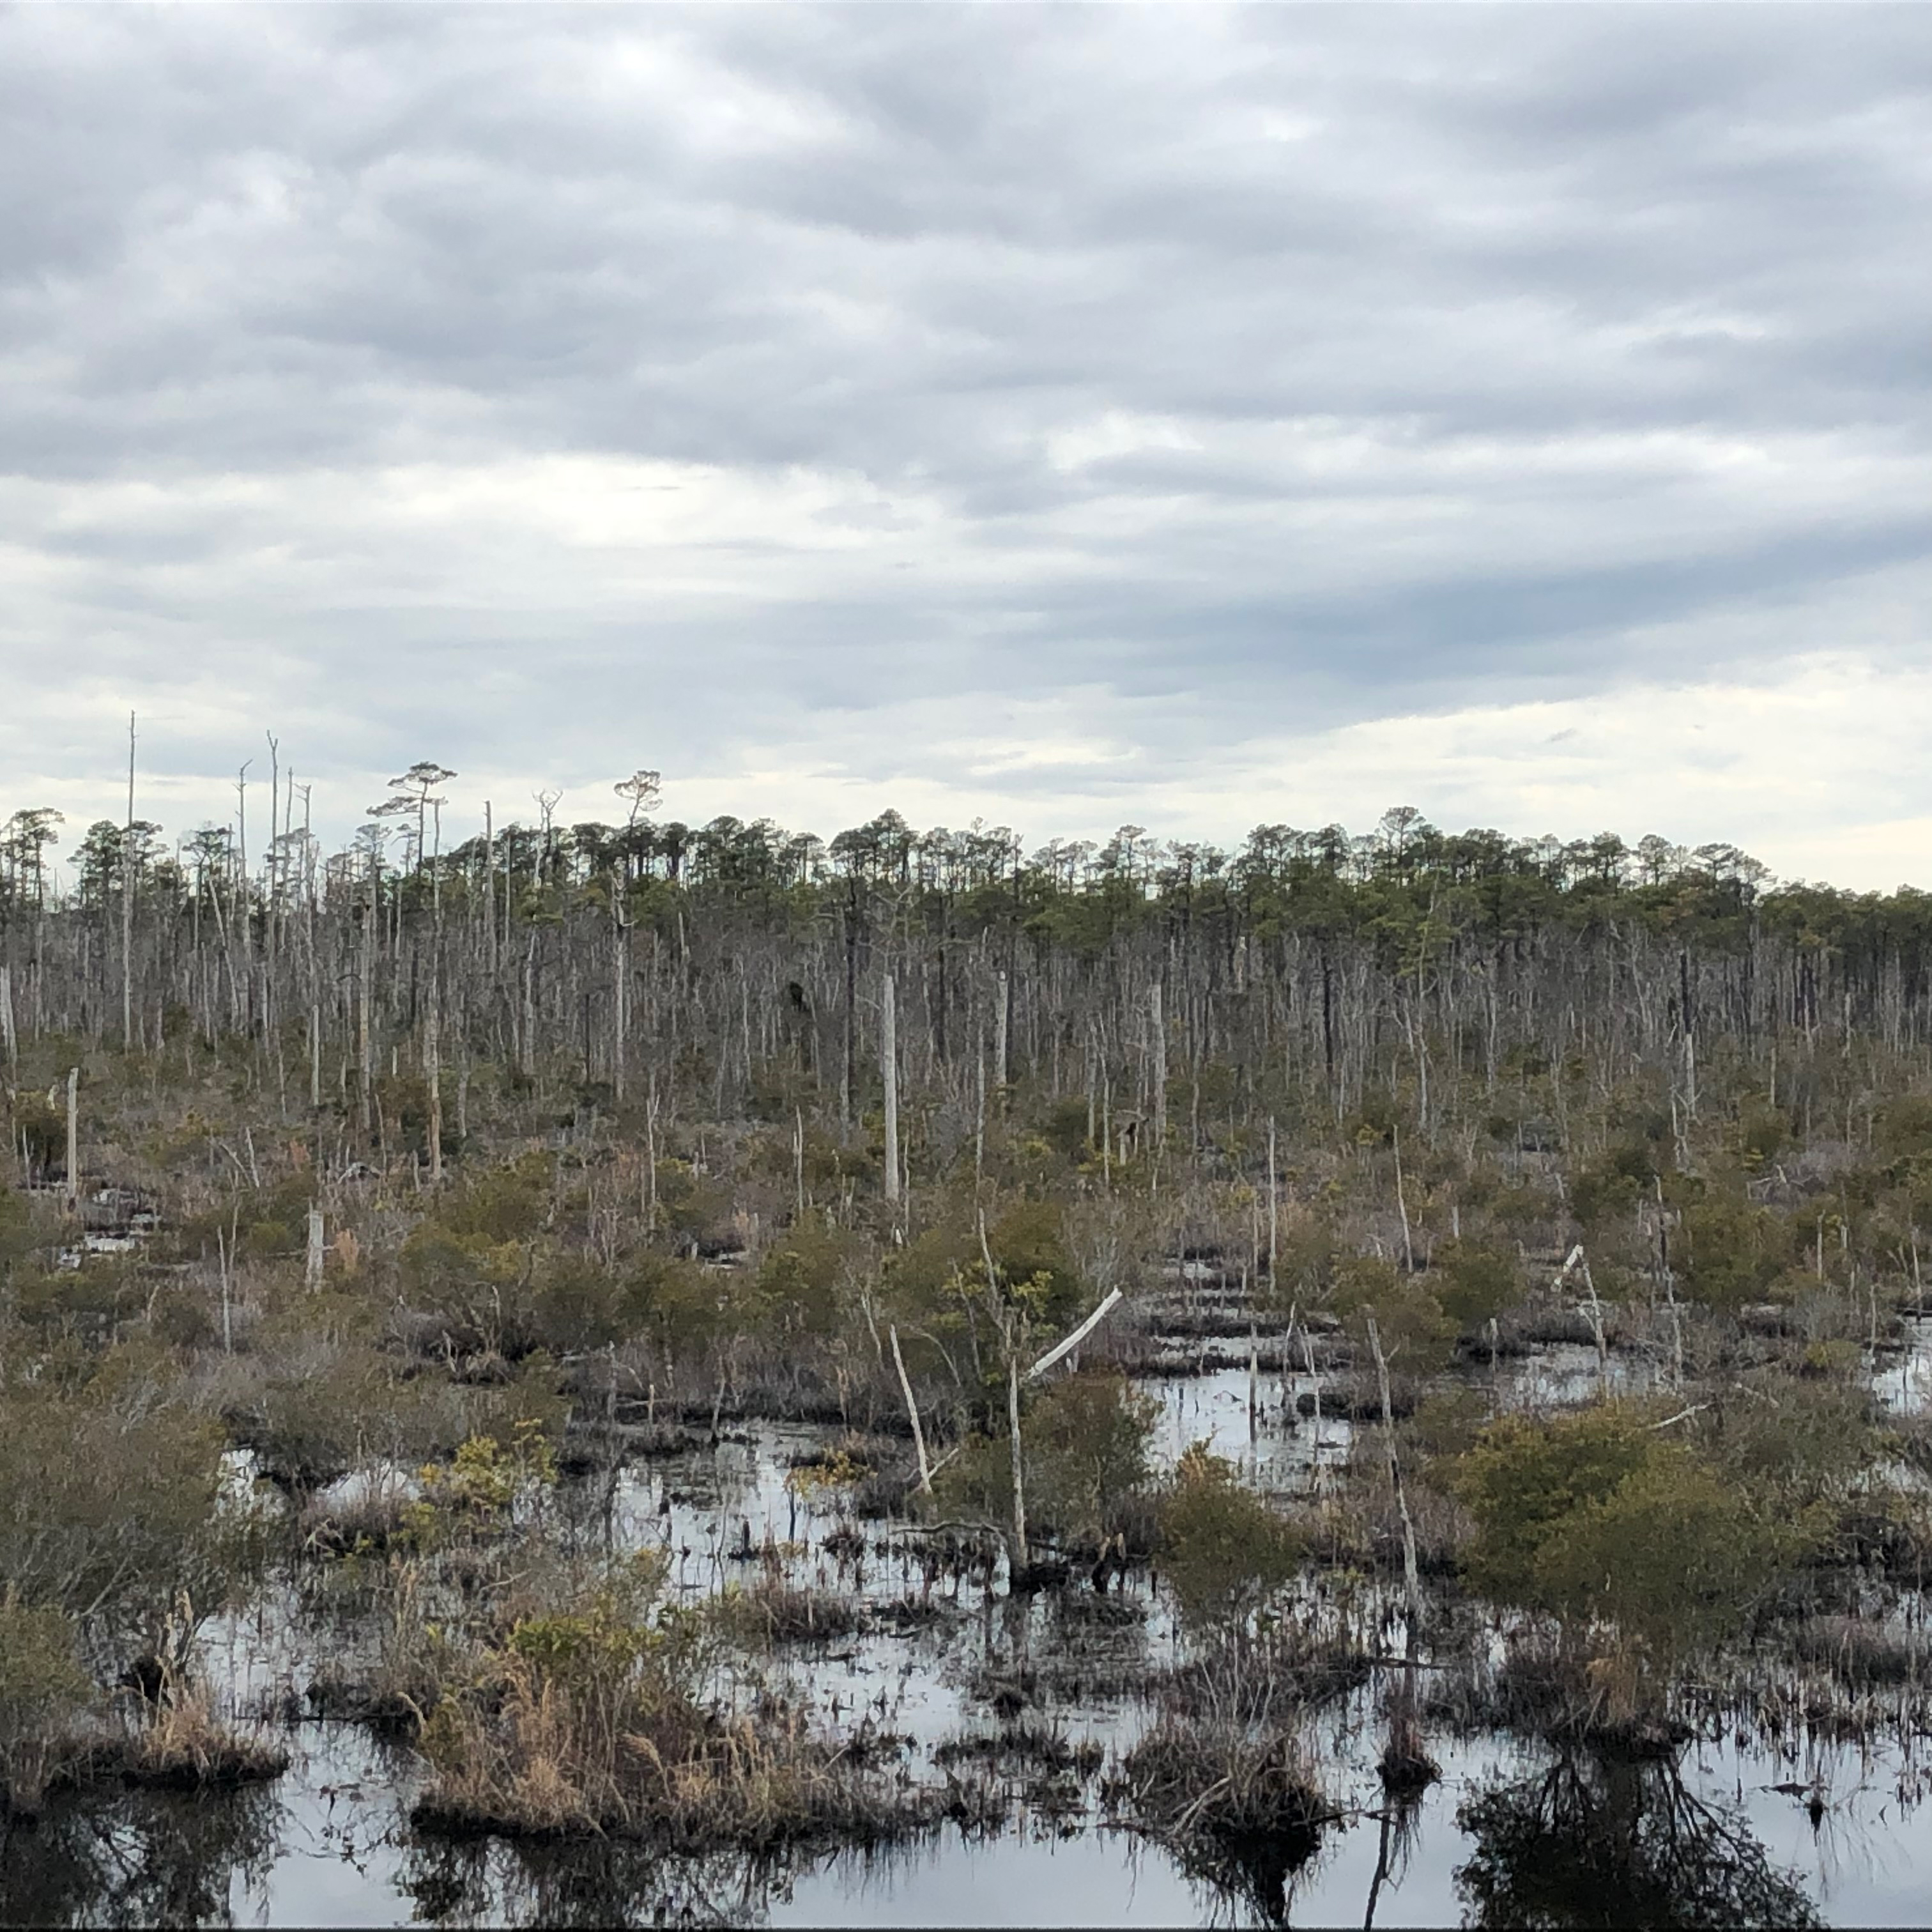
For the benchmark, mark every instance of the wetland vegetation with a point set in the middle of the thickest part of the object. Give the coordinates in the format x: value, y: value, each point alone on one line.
x: 612, y: 1373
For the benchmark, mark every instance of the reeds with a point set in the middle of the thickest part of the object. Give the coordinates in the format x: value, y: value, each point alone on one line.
x: 1186, y: 1781
x: 608, y: 1742
x: 184, y: 1747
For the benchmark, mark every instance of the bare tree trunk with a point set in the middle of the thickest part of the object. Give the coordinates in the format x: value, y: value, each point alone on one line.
x: 365, y: 1065
x: 7, y: 1035
x: 889, y: 1067
x: 526, y: 1031
x: 1274, y: 1206
x: 433, y: 1079
x: 73, y: 1140
x: 1159, y: 1051
x: 912, y: 1413
x: 620, y: 1005
x: 127, y: 905
x: 980, y: 1113
x: 1401, y: 1206
x: 1002, y: 1003
x: 1410, y: 1569
x: 1021, y: 1559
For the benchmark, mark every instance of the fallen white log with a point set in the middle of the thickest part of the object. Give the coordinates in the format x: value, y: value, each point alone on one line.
x: 1074, y: 1340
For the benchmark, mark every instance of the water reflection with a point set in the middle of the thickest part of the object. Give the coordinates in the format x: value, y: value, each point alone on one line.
x: 598, y: 1882
x: 140, y: 1858
x: 1254, y: 1874
x: 1602, y: 1841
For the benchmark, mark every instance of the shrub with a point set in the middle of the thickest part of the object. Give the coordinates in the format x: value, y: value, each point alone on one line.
x: 110, y: 1506
x: 44, y: 1694
x: 1223, y: 1550
x: 1596, y: 1517
x: 1728, y: 1252
x: 1473, y: 1284
x: 1085, y: 1443
x: 1415, y: 1331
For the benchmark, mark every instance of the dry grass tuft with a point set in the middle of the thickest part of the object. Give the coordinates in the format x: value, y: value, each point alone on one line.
x: 1223, y: 1787
x: 574, y: 1729
x: 184, y: 1747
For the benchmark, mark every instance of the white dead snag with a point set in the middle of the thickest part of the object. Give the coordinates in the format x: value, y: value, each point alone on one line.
x: 1597, y: 1330
x: 1315, y: 1444
x: 889, y: 1066
x: 1000, y: 1002
x: 1594, y: 1308
x: 620, y: 1002
x: 1401, y: 1207
x: 73, y: 1140
x: 365, y: 1062
x: 1020, y: 1558
x: 1411, y: 1569
x: 1254, y: 1385
x: 1288, y: 1362
x: 912, y: 1413
x: 1157, y: 1014
x: 127, y: 905
x: 1073, y: 1341
x: 8, y: 1038
x: 433, y: 1080
x: 1274, y: 1206
x: 312, y: 1263
x: 225, y: 1252
x: 979, y: 1115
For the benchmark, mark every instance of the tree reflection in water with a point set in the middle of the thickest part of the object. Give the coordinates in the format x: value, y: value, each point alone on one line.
x: 144, y: 1858
x: 1600, y: 1841
x: 581, y: 1881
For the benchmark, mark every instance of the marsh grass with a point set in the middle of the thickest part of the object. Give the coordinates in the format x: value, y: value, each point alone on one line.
x: 1239, y: 1678
x: 773, y: 1611
x: 538, y: 1755
x: 586, y: 1717
x: 184, y: 1746
x: 1243, y: 1811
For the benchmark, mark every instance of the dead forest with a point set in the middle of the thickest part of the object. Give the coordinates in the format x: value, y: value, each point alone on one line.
x: 380, y: 1226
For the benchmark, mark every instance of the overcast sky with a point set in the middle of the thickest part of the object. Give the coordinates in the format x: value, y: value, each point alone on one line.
x: 1063, y: 416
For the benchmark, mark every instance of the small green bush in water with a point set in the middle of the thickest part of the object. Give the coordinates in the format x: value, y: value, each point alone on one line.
x: 1599, y: 1518
x: 1223, y: 1550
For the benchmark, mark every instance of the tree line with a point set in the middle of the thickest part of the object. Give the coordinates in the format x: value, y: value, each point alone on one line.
x: 745, y: 969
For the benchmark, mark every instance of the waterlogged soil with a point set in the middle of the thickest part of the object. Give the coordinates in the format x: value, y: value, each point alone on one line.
x: 329, y: 1842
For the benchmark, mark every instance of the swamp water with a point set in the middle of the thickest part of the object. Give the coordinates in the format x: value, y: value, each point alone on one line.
x: 1736, y: 1828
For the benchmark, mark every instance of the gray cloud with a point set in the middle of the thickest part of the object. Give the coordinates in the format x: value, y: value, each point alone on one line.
x: 1328, y: 363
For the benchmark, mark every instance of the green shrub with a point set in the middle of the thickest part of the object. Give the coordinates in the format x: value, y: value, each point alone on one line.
x: 1728, y: 1252
x: 1597, y: 1517
x: 1415, y: 1330
x: 1472, y: 1284
x: 1086, y: 1442
x: 44, y: 1694
x: 110, y: 1505
x: 1223, y: 1550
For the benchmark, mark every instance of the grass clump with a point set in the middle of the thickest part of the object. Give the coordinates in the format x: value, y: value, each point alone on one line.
x: 774, y: 1611
x: 184, y: 1747
x: 589, y: 1721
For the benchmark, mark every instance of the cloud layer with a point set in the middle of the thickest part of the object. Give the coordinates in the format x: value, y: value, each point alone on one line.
x: 1062, y: 414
